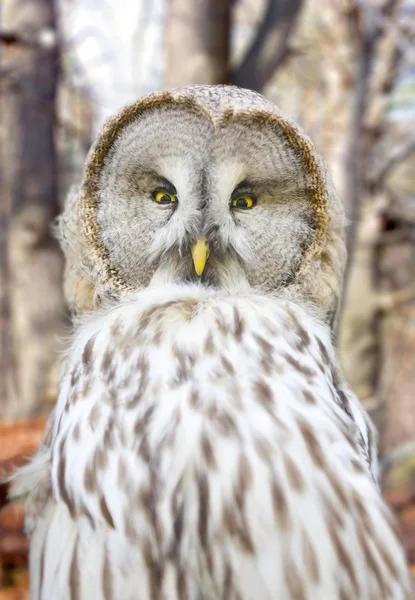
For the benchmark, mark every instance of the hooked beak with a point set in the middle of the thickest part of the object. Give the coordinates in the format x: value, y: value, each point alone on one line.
x: 200, y: 254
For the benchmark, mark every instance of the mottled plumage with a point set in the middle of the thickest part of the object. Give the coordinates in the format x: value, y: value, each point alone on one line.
x: 204, y: 444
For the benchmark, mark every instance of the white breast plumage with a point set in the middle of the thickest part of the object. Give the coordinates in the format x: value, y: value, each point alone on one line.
x: 203, y: 447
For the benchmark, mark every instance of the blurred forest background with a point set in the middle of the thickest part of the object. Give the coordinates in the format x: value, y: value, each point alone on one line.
x: 343, y: 69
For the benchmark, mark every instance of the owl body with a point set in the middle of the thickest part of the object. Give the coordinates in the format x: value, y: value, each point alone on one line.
x: 203, y: 447
x: 204, y: 444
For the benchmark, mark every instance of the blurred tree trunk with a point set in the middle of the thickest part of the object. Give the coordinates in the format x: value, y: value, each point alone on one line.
x: 396, y: 325
x: 377, y: 327
x: 198, y: 37
x: 270, y: 47
x: 31, y: 262
x: 198, y: 43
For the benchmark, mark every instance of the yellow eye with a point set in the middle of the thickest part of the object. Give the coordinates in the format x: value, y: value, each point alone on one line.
x: 243, y: 202
x: 163, y: 197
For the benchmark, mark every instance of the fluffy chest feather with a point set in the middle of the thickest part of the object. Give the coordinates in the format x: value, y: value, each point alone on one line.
x: 206, y: 442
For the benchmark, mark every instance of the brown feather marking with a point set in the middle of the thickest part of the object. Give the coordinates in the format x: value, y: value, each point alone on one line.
x: 100, y: 460
x: 203, y: 522
x: 148, y: 498
x: 74, y: 575
x: 86, y: 388
x: 76, y: 432
x: 209, y: 345
x: 344, y: 594
x: 264, y: 394
x: 310, y: 559
x: 280, y: 505
x: 368, y: 529
x: 228, y: 366
x: 208, y: 452
x: 185, y: 363
x: 107, y: 585
x: 238, y: 324
x: 221, y: 323
x: 339, y: 490
x: 267, y: 358
x: 178, y: 527
x: 61, y: 479
x: 333, y: 509
x: 295, y: 582
x: 226, y: 424
x: 372, y: 563
x: 122, y: 473
x: 364, y: 516
x: 264, y: 448
x: 298, y: 366
x: 143, y: 368
x: 89, y: 479
x: 129, y: 528
x: 106, y: 361
x: 294, y: 475
x: 227, y: 584
x: 154, y: 570
x: 265, y: 345
x: 115, y: 330
x: 357, y: 466
x: 85, y: 512
x: 106, y: 512
x: 388, y: 516
x: 49, y: 430
x: 42, y: 567
x: 88, y: 352
x: 245, y: 476
x: 303, y: 334
x: 203, y: 510
x: 229, y: 520
x: 309, y: 397
x: 343, y: 556
x: 387, y: 559
x: 194, y: 398
x: 75, y: 375
x: 323, y: 351
x: 312, y: 443
x: 237, y: 528
x: 182, y: 593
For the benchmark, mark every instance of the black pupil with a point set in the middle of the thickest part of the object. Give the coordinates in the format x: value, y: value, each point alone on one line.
x: 165, y: 199
x: 242, y: 203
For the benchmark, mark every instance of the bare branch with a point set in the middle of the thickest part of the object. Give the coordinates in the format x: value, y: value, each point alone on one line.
x: 363, y: 29
x: 386, y: 69
x: 197, y: 39
x: 270, y: 47
x: 397, y: 156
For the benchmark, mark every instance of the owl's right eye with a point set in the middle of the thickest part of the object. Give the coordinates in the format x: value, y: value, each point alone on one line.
x: 164, y: 197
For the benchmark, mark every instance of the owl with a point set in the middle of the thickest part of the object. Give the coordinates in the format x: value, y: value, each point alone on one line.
x: 204, y: 445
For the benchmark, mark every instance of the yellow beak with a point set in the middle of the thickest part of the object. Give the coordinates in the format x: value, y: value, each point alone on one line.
x: 200, y: 254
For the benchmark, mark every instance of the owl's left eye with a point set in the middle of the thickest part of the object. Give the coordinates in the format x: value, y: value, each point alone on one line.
x: 164, y: 197
x: 243, y: 202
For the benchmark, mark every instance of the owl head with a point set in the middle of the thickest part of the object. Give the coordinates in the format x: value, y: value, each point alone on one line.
x: 206, y: 183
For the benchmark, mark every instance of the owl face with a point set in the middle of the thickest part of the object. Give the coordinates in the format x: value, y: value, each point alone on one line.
x: 206, y: 183
x: 183, y: 197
